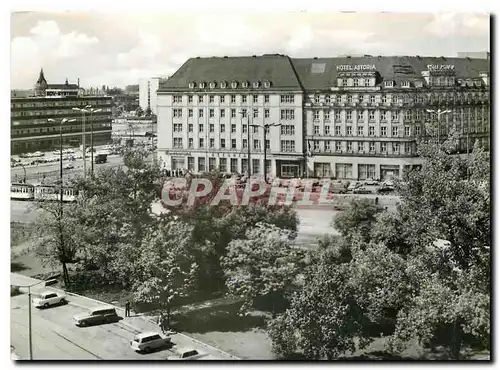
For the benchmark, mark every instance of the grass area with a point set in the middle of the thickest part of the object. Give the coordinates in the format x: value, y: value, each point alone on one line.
x: 19, y: 233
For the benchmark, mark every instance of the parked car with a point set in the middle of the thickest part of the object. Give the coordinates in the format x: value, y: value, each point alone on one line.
x: 188, y: 354
x: 371, y: 182
x: 68, y: 166
x: 362, y: 190
x: 97, y: 315
x: 353, y: 185
x: 385, y: 189
x: 49, y: 298
x: 146, y: 342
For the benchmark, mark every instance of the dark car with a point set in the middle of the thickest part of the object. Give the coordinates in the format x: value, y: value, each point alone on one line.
x: 97, y: 315
x: 385, y: 190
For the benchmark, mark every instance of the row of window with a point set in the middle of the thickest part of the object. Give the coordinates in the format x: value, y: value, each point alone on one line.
x: 360, y: 147
x: 286, y: 145
x: 344, y: 170
x: 178, y: 127
x: 285, y: 114
x: 406, y: 98
x: 60, y: 103
x: 52, y: 130
x: 433, y: 81
x: 177, y: 99
x: 234, y: 84
x: 223, y: 162
x: 55, y: 112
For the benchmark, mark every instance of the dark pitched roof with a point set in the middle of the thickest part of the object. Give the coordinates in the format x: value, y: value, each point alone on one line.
x: 275, y: 68
x: 321, y: 73
x: 63, y: 86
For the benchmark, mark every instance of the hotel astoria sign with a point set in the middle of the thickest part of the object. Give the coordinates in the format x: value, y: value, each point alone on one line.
x: 356, y: 67
x: 440, y: 67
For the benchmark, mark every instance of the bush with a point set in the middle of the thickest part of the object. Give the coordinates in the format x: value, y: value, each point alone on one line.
x: 14, y: 290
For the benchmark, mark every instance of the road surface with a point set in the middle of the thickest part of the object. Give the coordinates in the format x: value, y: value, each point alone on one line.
x: 51, y: 170
x: 56, y: 337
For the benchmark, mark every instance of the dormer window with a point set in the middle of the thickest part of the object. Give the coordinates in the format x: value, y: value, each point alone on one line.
x: 191, y: 85
x: 388, y: 83
x: 344, y: 82
x: 223, y: 84
x: 267, y: 84
x: 234, y: 84
x: 405, y: 84
x: 212, y: 85
x: 201, y: 85
x: 244, y: 84
x: 256, y: 84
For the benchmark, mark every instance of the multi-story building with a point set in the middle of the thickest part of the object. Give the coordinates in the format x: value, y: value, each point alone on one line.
x: 32, y: 130
x: 148, y: 97
x: 206, y: 107
x: 346, y: 118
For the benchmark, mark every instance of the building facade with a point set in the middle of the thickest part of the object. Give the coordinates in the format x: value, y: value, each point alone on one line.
x: 31, y: 129
x: 344, y: 118
x: 148, y: 97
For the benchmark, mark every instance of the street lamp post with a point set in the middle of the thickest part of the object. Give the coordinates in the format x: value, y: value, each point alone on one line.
x: 92, y: 111
x: 265, y: 127
x: 83, y: 110
x: 439, y: 113
x: 30, y: 340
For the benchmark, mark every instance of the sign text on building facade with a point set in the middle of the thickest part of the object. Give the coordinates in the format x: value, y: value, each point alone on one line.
x: 440, y: 67
x: 356, y: 67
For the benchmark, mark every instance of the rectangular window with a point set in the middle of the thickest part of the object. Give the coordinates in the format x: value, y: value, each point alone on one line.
x: 395, y: 148
x: 222, y: 99
x: 361, y: 131
x: 338, y: 146
x: 383, y: 147
x: 371, y: 115
x: 255, y: 98
x: 395, y: 116
x: 212, y: 143
x: 200, y: 113
x: 200, y: 128
x: 356, y: 82
x: 233, y: 143
x: 190, y: 113
x: 337, y: 131
x: 234, y: 165
x: 191, y: 143
x: 223, y: 143
x: 244, y: 129
x: 255, y: 113
x: 245, y: 143
x: 244, y: 113
x: 349, y: 130
x: 211, y: 164
x: 256, y: 144
x: 327, y: 130
x: 361, y: 146
x: 211, y: 128
x: 233, y: 113
x: 327, y: 99
x: 190, y: 100
x: 287, y: 145
x: 222, y: 128
x: 266, y: 113
x: 233, y: 128
x: 407, y: 130
x: 367, y: 82
x: 287, y: 98
x: 287, y: 114
x: 417, y: 130
x: 383, y: 131
x: 211, y: 113
x: 327, y: 115
x: 407, y: 148
x: 361, y: 116
x: 372, y: 147
x: 191, y: 163
x: 395, y: 131
x: 349, y: 146
x: 337, y: 116
x: 177, y: 142
x: 177, y: 127
x: 266, y: 98
x: 201, y: 164
x: 287, y: 130
x: 190, y: 127
x: 233, y: 98
x: 222, y: 113
x: 316, y: 130
x: 343, y: 170
x: 349, y: 115
x: 177, y: 99
x: 177, y: 113
x: 202, y: 143
x: 316, y: 115
x: 211, y: 99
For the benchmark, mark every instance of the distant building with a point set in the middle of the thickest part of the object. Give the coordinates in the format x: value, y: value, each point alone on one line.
x: 474, y: 54
x: 148, y: 88
x: 31, y: 129
x: 20, y: 93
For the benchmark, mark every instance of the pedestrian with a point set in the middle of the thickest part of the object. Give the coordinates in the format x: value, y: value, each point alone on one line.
x: 376, y: 200
x: 127, y: 309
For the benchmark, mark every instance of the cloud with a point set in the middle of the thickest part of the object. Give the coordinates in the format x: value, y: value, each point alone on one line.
x: 46, y: 45
x: 147, y: 48
x: 458, y: 24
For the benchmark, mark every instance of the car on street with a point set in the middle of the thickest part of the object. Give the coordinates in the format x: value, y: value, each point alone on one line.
x: 384, y: 189
x: 190, y: 354
x: 362, y: 190
x: 148, y: 341
x: 68, y: 166
x: 353, y: 185
x: 96, y: 315
x: 49, y: 298
x: 371, y: 182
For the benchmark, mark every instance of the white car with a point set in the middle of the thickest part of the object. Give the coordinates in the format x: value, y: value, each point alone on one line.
x: 190, y: 355
x: 146, y: 342
x: 49, y: 298
x: 68, y: 166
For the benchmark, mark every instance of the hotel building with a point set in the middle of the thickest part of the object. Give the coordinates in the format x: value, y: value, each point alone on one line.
x: 346, y: 118
x: 31, y: 129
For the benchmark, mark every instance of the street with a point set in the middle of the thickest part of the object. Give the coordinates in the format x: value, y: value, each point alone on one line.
x: 56, y: 337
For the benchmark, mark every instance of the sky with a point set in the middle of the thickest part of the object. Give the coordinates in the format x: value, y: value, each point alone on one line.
x: 118, y: 49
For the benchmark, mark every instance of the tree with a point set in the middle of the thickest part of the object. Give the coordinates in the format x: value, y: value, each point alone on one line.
x: 139, y: 112
x: 147, y: 112
x: 323, y: 320
x: 357, y: 218
x: 165, y: 271
x: 264, y: 264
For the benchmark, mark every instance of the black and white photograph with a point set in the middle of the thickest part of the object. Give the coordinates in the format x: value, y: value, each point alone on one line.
x: 234, y: 186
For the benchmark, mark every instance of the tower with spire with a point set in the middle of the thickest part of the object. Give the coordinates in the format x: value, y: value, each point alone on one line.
x: 41, y: 85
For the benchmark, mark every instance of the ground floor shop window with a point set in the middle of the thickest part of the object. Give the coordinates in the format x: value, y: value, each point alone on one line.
x: 201, y: 164
x: 234, y: 165
x: 244, y: 165
x: 223, y: 164
x: 387, y: 172
x: 191, y: 163
x: 343, y: 170
x: 366, y: 171
x: 322, y: 170
x: 289, y: 170
x: 177, y: 163
x: 255, y: 166
x: 211, y: 164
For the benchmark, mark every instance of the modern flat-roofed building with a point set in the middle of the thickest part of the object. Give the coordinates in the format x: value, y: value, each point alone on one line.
x: 148, y: 97
x: 345, y: 117
x: 31, y: 129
